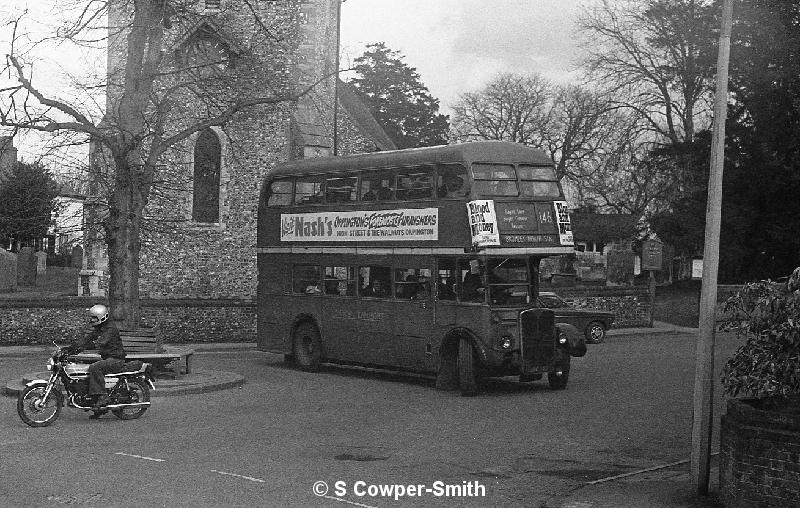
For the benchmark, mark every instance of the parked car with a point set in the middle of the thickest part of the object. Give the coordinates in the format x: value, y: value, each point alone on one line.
x: 593, y: 322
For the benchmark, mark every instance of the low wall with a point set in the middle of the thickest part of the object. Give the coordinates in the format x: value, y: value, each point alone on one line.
x: 759, y: 457
x: 40, y: 321
x: 631, y: 304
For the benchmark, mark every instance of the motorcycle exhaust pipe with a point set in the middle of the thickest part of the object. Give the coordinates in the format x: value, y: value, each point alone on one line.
x: 133, y: 404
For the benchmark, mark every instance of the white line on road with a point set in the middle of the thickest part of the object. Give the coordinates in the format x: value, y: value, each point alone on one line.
x: 259, y: 480
x: 139, y: 457
x: 348, y: 502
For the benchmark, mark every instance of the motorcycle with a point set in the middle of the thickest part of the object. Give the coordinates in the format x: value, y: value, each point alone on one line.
x: 40, y: 402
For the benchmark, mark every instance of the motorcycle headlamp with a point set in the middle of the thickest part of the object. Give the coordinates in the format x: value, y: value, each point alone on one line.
x: 50, y: 364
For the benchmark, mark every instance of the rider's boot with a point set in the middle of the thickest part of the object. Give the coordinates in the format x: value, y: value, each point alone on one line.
x: 101, y: 401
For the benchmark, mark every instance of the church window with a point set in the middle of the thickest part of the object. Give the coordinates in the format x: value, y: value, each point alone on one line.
x: 207, y: 162
x: 205, y: 53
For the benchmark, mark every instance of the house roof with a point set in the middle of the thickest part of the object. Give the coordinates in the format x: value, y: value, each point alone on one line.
x: 362, y: 117
x: 601, y: 227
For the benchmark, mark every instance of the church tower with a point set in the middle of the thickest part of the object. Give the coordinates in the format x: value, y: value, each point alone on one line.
x: 200, y: 235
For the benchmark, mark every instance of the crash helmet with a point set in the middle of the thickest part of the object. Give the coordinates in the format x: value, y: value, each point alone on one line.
x: 98, y: 314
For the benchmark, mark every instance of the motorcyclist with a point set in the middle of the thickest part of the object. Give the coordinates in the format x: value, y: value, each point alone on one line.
x: 104, y: 337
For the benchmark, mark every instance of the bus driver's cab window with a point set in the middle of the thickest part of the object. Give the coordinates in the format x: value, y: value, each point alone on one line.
x: 375, y: 281
x: 473, y: 288
x: 446, y: 279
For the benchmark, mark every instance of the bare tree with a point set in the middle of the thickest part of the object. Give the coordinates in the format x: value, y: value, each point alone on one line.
x: 656, y: 58
x: 143, y: 122
x: 511, y: 107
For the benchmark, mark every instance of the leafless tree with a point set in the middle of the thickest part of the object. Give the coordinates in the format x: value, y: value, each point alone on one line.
x: 655, y: 58
x: 137, y: 132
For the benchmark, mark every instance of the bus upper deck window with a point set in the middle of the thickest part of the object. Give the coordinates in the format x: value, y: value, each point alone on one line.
x: 538, y: 181
x: 452, y: 182
x: 341, y: 190
x: 377, y: 186
x: 308, y: 190
x: 415, y: 184
x: 280, y: 193
x: 495, y: 179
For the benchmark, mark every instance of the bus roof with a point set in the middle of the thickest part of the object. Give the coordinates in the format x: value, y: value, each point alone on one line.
x: 478, y: 151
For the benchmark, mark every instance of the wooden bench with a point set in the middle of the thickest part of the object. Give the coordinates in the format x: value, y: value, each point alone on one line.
x: 144, y: 344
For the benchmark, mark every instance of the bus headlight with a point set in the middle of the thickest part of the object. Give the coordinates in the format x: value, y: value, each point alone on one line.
x: 562, y: 338
x: 506, y: 342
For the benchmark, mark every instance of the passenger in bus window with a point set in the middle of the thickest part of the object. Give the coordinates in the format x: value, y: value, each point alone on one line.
x: 451, y: 187
x: 472, y: 285
x: 377, y: 288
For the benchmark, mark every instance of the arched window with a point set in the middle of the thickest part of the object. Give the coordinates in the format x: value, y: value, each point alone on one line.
x: 207, y: 160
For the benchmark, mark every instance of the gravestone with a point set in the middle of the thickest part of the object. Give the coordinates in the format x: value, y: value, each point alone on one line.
x: 41, y: 262
x: 76, y: 260
x: 26, y: 267
x: 620, y: 267
x: 8, y: 271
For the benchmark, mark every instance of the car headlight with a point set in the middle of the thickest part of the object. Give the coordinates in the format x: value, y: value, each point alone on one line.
x: 50, y: 364
x: 506, y: 342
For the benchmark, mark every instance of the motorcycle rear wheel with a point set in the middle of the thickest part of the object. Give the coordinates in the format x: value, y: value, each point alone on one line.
x: 138, y: 392
x: 36, y: 412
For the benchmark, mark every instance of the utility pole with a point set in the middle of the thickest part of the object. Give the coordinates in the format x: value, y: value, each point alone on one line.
x: 704, y: 367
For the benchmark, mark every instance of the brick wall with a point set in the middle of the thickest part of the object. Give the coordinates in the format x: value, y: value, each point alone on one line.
x: 631, y: 305
x: 40, y: 321
x: 759, y: 457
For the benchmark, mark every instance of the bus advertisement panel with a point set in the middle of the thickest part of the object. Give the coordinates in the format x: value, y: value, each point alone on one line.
x: 424, y: 260
x: 361, y: 226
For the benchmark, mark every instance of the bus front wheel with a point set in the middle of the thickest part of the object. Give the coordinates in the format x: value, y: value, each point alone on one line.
x: 467, y: 371
x: 307, y: 347
x: 559, y: 378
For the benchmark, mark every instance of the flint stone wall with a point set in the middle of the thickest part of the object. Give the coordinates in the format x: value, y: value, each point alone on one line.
x: 631, y: 305
x: 40, y: 321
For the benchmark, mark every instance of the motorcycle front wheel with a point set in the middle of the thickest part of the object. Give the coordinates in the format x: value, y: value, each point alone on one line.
x: 34, y: 410
x: 137, y: 391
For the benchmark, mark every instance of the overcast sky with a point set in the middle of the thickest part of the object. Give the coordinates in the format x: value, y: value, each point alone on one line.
x: 458, y: 45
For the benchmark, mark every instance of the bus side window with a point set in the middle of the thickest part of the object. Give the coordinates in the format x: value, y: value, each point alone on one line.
x: 377, y: 186
x: 452, y: 181
x: 341, y: 190
x: 415, y: 183
x: 446, y: 279
x: 375, y: 281
x: 280, y: 193
x: 308, y: 190
x: 306, y: 279
x: 339, y: 280
x: 412, y: 283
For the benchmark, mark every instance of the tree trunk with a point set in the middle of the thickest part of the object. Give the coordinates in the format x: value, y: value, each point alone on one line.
x: 123, y: 228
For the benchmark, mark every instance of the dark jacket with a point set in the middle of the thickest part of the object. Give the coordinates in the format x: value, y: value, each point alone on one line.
x: 105, y: 338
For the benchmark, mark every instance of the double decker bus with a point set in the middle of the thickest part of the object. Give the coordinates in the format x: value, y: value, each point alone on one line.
x: 423, y: 260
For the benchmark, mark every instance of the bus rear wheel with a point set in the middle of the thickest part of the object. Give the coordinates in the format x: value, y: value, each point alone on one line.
x: 467, y: 369
x: 307, y: 347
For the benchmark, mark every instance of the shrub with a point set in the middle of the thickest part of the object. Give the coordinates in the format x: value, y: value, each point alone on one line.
x: 767, y: 366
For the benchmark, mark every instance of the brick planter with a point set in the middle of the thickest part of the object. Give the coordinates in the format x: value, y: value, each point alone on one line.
x: 759, y: 457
